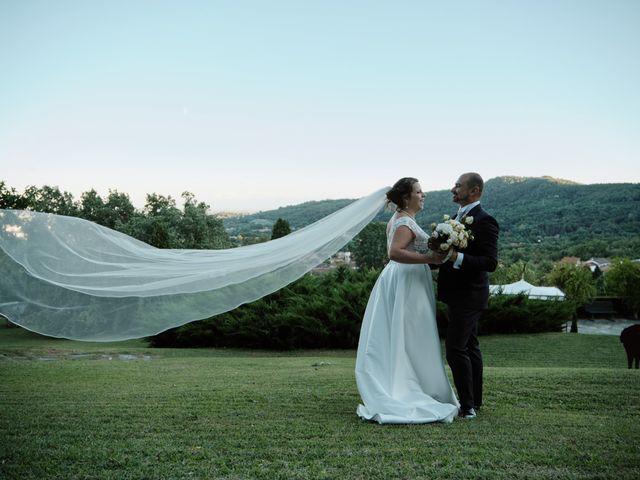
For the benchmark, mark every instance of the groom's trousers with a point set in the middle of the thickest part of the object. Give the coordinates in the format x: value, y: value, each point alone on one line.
x: 464, y: 356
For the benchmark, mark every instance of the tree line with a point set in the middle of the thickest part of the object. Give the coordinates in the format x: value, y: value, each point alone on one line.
x: 160, y: 222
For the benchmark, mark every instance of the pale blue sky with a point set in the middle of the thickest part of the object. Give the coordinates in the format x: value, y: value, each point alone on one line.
x: 257, y: 104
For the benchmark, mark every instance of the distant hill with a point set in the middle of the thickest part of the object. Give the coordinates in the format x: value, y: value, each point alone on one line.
x: 527, y: 208
x: 546, y: 207
x: 298, y: 216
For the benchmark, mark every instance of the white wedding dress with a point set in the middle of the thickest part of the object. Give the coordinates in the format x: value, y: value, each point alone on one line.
x: 399, y: 369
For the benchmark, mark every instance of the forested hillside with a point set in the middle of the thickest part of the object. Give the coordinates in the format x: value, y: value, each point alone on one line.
x: 531, y: 211
x: 298, y: 216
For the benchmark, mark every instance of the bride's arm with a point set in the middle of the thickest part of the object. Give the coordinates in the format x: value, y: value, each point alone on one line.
x: 398, y: 250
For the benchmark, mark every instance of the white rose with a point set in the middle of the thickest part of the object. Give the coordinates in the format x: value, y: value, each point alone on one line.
x: 468, y: 220
x: 444, y: 247
x: 446, y: 217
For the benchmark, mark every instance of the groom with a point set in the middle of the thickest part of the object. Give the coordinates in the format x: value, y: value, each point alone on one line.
x: 463, y: 284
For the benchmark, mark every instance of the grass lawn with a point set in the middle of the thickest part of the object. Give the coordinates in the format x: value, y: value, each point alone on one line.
x: 557, y: 406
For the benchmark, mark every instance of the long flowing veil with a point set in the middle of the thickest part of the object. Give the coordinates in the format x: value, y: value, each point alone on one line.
x: 67, y: 277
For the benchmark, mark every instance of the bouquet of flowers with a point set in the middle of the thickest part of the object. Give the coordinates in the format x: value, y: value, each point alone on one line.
x: 450, y: 233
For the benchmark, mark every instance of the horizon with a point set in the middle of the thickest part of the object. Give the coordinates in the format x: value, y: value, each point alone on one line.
x: 253, y: 105
x: 179, y: 203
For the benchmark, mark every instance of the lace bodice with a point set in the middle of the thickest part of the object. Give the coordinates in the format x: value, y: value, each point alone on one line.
x: 419, y: 243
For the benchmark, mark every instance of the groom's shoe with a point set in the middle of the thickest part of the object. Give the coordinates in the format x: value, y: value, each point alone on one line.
x: 468, y: 414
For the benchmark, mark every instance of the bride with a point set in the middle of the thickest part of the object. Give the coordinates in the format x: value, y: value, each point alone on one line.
x: 399, y: 369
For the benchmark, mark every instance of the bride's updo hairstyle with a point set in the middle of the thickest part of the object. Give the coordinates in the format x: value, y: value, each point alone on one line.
x: 401, y: 192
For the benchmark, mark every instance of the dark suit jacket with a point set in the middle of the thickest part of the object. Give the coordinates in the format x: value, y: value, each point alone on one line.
x: 469, y: 286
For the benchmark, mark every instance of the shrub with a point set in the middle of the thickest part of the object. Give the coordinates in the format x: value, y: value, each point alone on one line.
x: 516, y: 314
x: 519, y: 314
x: 326, y: 311
x: 316, y: 311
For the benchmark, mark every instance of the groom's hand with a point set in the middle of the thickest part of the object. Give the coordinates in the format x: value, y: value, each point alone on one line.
x: 438, y: 258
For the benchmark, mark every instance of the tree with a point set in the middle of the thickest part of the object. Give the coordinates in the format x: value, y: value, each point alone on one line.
x: 576, y: 282
x: 369, y: 248
x: 163, y: 225
x: 115, y: 213
x: 198, y: 229
x: 10, y: 198
x: 50, y: 200
x: 120, y: 210
x: 92, y: 206
x: 280, y: 229
x: 157, y: 224
x: 623, y: 279
x: 519, y: 270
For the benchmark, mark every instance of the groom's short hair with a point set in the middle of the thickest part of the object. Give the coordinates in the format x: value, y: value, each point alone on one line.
x: 474, y: 180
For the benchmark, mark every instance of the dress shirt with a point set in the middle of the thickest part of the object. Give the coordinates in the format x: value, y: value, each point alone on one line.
x: 462, y: 211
